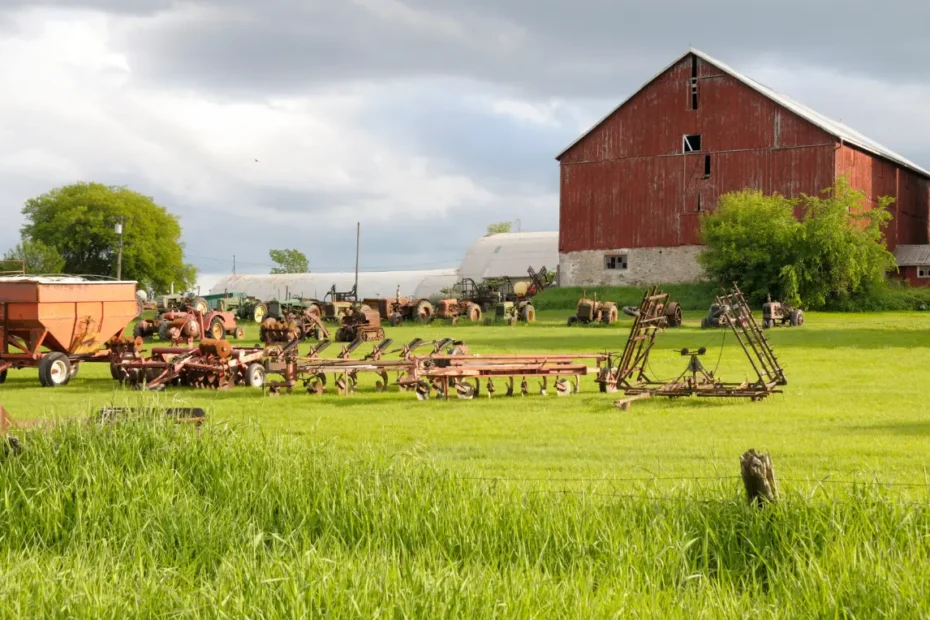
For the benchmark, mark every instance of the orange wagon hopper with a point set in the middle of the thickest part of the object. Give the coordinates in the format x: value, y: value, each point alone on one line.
x: 55, y: 322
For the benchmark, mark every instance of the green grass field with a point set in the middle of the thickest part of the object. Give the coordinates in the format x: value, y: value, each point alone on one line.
x: 381, y: 505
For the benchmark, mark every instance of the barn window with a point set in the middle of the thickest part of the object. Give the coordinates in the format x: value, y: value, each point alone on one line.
x: 923, y: 272
x: 615, y: 261
x: 699, y: 203
x: 692, y: 144
x: 707, y: 166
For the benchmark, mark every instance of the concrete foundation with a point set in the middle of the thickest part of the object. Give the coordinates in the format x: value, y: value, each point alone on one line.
x: 643, y: 266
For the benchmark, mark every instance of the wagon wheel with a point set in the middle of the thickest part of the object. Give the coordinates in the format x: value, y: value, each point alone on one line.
x: 54, y: 370
x: 217, y: 330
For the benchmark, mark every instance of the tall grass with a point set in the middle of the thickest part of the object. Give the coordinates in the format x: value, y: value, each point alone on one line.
x: 155, y: 519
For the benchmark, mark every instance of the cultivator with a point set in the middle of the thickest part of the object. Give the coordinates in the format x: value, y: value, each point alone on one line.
x: 212, y: 364
x: 630, y: 373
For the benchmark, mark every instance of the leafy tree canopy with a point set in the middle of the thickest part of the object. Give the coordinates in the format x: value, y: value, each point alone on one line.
x: 289, y: 261
x: 835, y: 249
x: 37, y: 257
x: 78, y: 221
x: 500, y: 227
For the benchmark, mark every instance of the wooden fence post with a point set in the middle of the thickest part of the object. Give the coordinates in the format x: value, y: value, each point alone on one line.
x: 758, y: 478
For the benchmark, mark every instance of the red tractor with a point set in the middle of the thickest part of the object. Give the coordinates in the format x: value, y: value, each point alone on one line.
x: 191, y: 325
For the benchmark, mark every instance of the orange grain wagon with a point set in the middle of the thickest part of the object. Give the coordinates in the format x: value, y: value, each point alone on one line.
x: 54, y: 323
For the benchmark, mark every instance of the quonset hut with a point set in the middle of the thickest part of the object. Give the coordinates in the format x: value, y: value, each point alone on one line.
x: 510, y: 255
x: 315, y: 285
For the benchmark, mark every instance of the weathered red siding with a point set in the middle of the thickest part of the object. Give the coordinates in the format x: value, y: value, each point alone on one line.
x: 879, y: 177
x: 627, y: 184
x: 909, y: 275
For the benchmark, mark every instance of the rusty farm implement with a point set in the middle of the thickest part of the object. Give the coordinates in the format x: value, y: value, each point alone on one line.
x: 631, y: 373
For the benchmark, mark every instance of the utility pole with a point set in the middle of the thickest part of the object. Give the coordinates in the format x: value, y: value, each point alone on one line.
x: 119, y: 256
x: 358, y: 237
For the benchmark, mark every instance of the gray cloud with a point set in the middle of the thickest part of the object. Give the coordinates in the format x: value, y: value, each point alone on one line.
x: 544, y: 48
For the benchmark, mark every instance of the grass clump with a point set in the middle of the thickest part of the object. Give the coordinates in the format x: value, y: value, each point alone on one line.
x: 154, y: 519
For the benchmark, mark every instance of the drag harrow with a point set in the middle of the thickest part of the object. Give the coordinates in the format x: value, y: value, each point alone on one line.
x: 630, y: 373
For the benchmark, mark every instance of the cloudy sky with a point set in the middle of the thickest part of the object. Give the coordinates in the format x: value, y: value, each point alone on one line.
x: 425, y: 120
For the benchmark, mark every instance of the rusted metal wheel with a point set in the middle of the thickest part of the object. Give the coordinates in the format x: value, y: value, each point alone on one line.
x: 528, y: 313
x: 259, y: 312
x: 424, y: 311
x: 200, y: 304
x: 673, y: 314
x: 239, y: 333
x: 474, y: 313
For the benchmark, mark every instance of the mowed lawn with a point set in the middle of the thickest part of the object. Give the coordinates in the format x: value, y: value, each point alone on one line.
x: 855, y: 407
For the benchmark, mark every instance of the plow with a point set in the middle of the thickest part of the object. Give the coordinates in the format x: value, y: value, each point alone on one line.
x: 444, y: 368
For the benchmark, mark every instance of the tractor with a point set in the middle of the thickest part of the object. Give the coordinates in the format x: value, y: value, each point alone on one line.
x: 243, y: 306
x: 515, y: 304
x: 469, y: 300
x: 780, y: 313
x: 360, y: 324
x: 398, y: 309
x: 717, y: 317
x: 190, y: 325
x: 175, y: 303
x: 593, y: 311
x: 337, y: 305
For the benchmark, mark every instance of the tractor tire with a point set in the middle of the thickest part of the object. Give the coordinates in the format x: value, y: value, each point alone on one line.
x: 395, y: 320
x: 705, y: 323
x: 138, y: 332
x: 528, y: 314
x: 632, y: 311
x: 200, y: 304
x: 423, y: 310
x: 54, y: 370
x: 797, y: 318
x: 217, y: 331
x: 572, y: 320
x: 259, y: 312
x: 239, y: 333
x: 611, y: 315
x: 767, y: 323
x: 255, y: 375
x: 163, y: 331
x: 3, y: 376
x: 474, y: 313
x: 673, y: 314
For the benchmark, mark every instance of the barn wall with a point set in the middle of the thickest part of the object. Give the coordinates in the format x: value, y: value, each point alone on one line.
x: 644, y: 266
x: 878, y: 177
x: 909, y: 275
x: 627, y: 184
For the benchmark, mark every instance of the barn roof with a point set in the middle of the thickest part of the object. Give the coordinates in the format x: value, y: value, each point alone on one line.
x: 912, y: 255
x: 835, y: 128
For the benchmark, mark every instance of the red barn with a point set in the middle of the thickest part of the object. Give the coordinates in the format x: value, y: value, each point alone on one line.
x: 633, y: 187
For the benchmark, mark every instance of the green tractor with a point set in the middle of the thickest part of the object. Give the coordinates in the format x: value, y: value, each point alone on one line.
x: 514, y: 303
x: 245, y: 307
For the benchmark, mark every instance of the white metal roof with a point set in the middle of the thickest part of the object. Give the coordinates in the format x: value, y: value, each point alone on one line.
x: 316, y: 285
x: 912, y: 255
x: 832, y: 127
x: 510, y: 254
x: 63, y: 279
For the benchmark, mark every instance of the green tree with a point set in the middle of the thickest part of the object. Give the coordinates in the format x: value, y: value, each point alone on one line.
x: 37, y: 257
x: 835, y: 249
x: 289, y: 261
x: 78, y: 221
x: 500, y: 227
